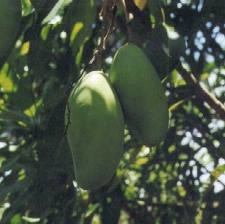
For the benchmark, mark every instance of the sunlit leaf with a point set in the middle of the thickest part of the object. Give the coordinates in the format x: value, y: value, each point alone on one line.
x: 141, y: 3
x: 176, y: 105
x: 25, y: 48
x: 16, y: 219
x: 141, y: 161
x: 6, y: 82
x: 31, y: 111
x: 217, y: 172
x: 31, y: 220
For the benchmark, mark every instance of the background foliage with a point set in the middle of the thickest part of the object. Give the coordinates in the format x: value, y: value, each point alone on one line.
x: 180, y: 181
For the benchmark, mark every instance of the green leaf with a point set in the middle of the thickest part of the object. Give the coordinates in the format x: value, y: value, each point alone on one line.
x: 217, y: 172
x: 79, y: 21
x: 31, y: 220
x: 16, y: 116
x: 60, y: 4
x: 157, y: 13
x: 176, y: 105
x: 6, y: 82
x: 43, y: 6
x: 91, y: 210
x: 16, y: 219
x: 33, y: 109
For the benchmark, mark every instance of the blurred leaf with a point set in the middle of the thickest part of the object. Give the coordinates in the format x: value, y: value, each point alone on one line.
x: 141, y: 161
x: 91, y: 210
x: 141, y: 4
x: 6, y: 82
x: 16, y: 219
x: 31, y: 220
x: 43, y: 7
x: 15, y: 116
x: 32, y: 110
x: 157, y: 12
x: 25, y: 48
x: 176, y: 79
x: 79, y: 20
x: 217, y: 172
x: 55, y: 10
x: 176, y: 105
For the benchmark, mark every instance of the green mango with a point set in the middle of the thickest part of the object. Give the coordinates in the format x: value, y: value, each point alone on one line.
x: 95, y: 130
x: 140, y: 93
x: 10, y: 17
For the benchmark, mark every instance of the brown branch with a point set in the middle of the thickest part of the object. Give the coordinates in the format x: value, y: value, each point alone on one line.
x: 202, y: 92
x: 107, y: 16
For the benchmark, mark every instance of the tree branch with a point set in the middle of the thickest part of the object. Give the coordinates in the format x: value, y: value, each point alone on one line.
x: 107, y: 16
x: 202, y: 92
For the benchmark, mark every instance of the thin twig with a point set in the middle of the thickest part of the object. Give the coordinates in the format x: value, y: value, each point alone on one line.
x: 202, y: 92
x: 107, y: 16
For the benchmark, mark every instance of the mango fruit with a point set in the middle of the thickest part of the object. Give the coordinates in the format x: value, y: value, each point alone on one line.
x: 95, y: 130
x: 141, y: 94
x: 10, y: 17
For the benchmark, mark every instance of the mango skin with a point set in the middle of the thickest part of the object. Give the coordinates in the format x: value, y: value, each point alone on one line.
x: 95, y: 131
x: 10, y: 17
x: 141, y: 94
